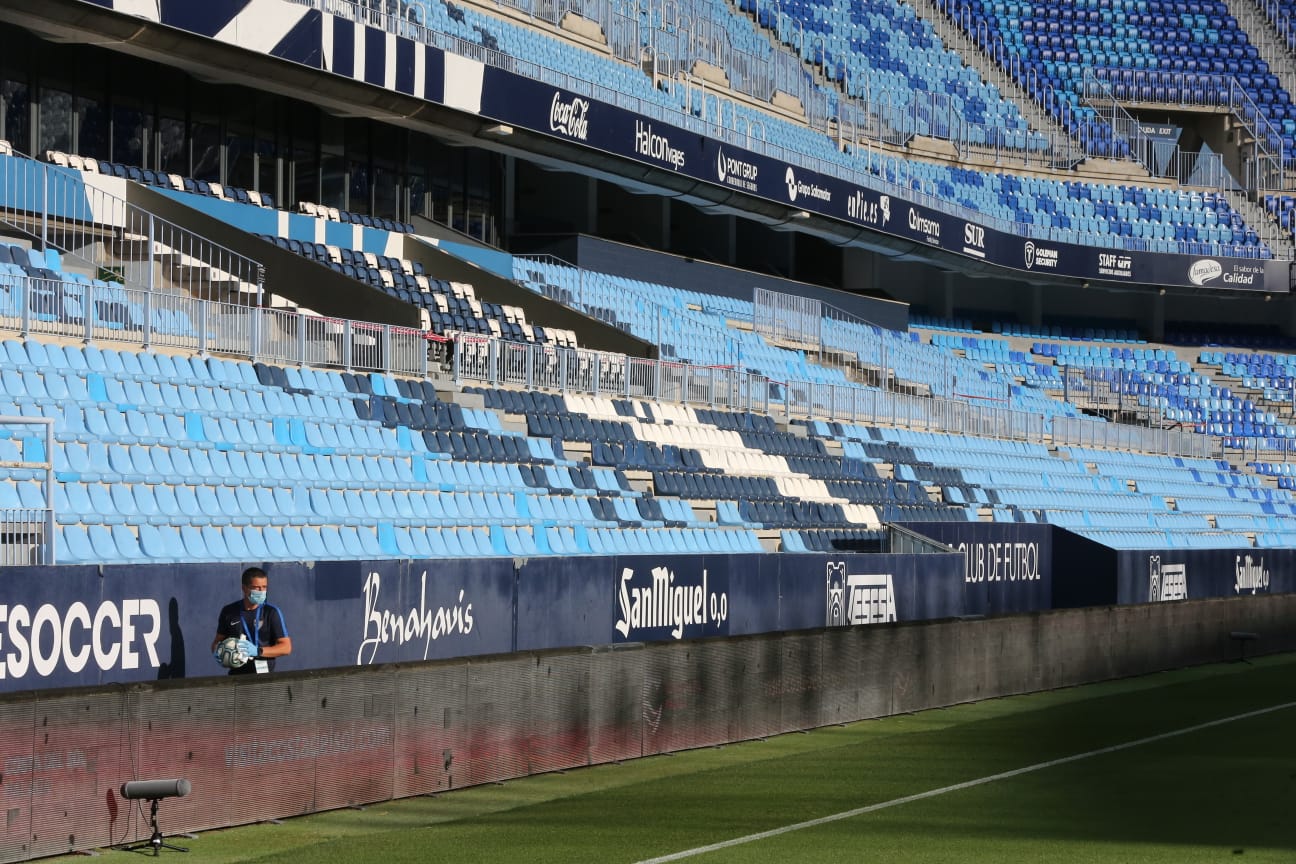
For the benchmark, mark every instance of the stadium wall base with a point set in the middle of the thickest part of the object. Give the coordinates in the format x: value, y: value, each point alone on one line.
x: 298, y: 743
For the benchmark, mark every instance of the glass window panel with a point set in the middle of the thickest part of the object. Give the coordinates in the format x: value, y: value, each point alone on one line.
x: 267, y: 168
x: 15, y: 115
x: 386, y: 193
x: 419, y: 201
x: 333, y: 180
x: 130, y: 131
x: 305, y: 177
x: 240, y: 161
x: 92, y: 130
x: 55, y: 121
x: 205, y: 141
x: 358, y: 201
x: 173, y: 154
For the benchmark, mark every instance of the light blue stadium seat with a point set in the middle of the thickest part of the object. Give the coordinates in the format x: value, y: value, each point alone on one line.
x: 479, y: 540
x: 411, y: 542
x: 386, y: 536
x: 276, y: 546
x: 313, y: 538
x: 334, y: 546
x: 74, y: 545
x: 296, y: 543
x: 103, y: 544
x: 236, y: 547
x: 161, y: 543
x: 437, y: 544
x: 246, y: 543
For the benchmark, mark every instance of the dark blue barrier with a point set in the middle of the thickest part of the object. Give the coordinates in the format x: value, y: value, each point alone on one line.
x: 1198, y: 574
x: 84, y: 626
x: 563, y: 601
x: 758, y: 578
x: 1007, y: 566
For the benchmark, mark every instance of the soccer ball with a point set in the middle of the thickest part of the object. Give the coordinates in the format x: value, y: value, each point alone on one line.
x: 229, y: 654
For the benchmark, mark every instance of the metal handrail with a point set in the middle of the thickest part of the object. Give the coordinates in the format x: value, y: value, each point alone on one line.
x: 64, y: 209
x: 96, y: 314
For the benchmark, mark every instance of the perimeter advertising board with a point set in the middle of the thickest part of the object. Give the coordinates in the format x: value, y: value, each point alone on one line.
x: 1156, y: 576
x: 1007, y: 566
x: 675, y: 597
x: 584, y: 120
x: 84, y: 626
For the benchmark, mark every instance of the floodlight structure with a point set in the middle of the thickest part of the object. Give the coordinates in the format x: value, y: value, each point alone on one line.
x: 154, y: 791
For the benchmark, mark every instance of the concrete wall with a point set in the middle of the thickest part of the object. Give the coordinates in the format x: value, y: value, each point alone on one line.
x: 304, y: 742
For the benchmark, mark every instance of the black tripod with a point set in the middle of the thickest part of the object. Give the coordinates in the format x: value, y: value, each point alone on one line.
x: 156, y: 843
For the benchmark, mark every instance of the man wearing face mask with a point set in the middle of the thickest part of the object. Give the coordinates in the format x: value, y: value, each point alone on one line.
x: 257, y: 625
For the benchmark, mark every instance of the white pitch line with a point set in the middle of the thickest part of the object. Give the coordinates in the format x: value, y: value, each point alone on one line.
x: 932, y: 793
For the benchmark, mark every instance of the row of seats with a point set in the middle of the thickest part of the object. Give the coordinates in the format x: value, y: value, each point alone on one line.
x: 159, y: 178
x: 123, y: 544
x: 335, y: 214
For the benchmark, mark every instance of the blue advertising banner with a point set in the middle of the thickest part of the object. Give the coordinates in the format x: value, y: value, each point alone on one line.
x: 550, y: 110
x: 1196, y: 574
x: 85, y: 626
x: 1007, y: 566
x: 416, y: 610
x: 847, y: 590
x: 671, y: 597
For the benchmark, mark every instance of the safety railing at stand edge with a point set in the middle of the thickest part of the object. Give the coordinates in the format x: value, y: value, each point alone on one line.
x: 902, y: 541
x: 116, y: 241
x: 493, y: 362
x: 96, y: 314
x: 292, y: 337
x: 861, y: 172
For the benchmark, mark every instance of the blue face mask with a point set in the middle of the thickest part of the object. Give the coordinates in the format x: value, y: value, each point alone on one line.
x: 256, y: 597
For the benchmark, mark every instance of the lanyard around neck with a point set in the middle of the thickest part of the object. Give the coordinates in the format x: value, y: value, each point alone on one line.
x: 255, y: 636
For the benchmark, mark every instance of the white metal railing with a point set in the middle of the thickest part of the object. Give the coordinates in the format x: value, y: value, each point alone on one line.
x: 493, y: 362
x: 94, y: 313
x: 292, y: 337
x: 788, y: 319
x: 63, y: 209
